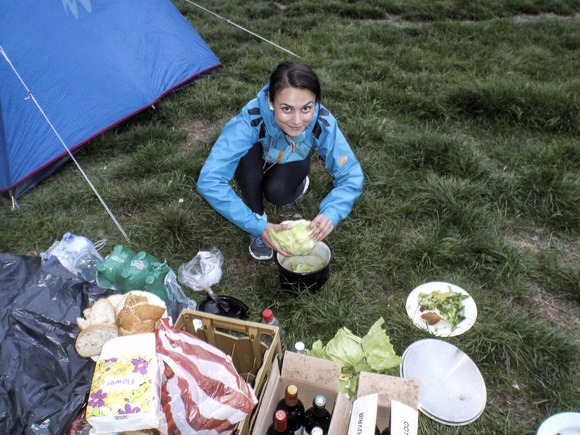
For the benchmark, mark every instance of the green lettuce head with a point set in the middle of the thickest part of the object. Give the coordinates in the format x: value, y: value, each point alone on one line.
x: 296, y: 240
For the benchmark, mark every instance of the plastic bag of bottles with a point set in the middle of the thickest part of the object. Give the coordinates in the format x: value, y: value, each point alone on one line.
x: 125, y: 270
x: 78, y: 254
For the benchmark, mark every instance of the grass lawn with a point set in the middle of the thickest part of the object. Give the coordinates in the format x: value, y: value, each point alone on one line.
x: 465, y: 117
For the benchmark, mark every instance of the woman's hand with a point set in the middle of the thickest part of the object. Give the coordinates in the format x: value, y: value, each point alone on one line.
x: 267, y: 239
x: 322, y: 227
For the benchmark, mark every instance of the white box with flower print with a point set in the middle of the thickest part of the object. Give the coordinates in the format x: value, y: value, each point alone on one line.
x: 125, y: 391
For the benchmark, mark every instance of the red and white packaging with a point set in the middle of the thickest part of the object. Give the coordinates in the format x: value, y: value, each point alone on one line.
x: 203, y: 393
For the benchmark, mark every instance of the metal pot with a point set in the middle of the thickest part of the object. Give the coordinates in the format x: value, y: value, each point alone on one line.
x: 235, y: 308
x: 320, y: 258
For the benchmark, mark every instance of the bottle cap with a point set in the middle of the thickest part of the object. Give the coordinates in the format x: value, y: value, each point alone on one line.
x: 320, y: 401
x: 280, y: 415
x: 291, y: 395
x: 280, y: 418
x: 268, y: 315
x: 299, y: 346
x: 316, y: 431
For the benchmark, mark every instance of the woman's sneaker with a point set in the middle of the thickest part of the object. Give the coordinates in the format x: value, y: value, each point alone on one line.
x: 259, y: 250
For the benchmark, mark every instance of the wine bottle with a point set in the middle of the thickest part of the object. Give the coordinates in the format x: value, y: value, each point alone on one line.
x: 317, y: 415
x: 294, y: 409
x: 280, y: 425
x: 386, y: 431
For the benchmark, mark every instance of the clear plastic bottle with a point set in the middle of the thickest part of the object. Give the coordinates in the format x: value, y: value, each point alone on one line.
x: 300, y: 348
x: 78, y: 254
x: 268, y: 318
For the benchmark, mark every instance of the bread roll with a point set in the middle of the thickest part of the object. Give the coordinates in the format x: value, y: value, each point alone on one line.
x: 139, y: 313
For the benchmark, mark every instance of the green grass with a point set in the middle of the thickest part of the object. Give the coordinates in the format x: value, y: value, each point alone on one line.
x: 465, y: 117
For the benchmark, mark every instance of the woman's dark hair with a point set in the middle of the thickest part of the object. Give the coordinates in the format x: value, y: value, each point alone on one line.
x: 295, y: 75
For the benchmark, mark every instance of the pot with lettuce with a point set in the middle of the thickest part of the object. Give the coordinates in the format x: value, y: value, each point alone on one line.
x: 308, y: 267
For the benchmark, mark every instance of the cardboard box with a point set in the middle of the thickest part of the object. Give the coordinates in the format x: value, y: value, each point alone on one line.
x: 312, y: 376
x: 315, y: 376
x: 240, y: 340
x: 393, y: 389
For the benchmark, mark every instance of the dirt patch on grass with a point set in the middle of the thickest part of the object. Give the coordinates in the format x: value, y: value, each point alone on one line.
x: 394, y: 20
x: 532, y: 18
x: 561, y: 310
x: 198, y: 132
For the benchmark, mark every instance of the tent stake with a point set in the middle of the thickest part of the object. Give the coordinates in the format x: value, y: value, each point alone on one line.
x: 240, y: 27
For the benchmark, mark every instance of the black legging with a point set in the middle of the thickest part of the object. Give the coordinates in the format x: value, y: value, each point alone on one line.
x: 279, y: 183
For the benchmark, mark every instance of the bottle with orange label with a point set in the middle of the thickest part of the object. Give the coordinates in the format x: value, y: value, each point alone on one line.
x: 294, y: 409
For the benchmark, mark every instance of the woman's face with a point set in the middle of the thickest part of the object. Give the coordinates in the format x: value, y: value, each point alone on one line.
x: 293, y: 110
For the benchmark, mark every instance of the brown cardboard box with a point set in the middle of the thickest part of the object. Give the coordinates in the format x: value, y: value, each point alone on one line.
x: 240, y: 340
x: 390, y: 388
x: 315, y: 376
x: 312, y: 376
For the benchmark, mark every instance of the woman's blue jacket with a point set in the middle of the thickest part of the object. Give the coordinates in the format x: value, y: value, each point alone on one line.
x: 256, y: 123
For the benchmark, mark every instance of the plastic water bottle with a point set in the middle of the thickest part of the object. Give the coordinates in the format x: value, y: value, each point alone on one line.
x: 87, y: 257
x: 77, y: 254
x: 300, y: 348
x: 268, y: 318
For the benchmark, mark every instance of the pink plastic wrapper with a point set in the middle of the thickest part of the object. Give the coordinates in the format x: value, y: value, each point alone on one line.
x: 203, y: 393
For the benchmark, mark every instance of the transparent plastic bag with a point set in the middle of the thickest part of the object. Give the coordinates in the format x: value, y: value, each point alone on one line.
x: 203, y: 271
x: 78, y: 254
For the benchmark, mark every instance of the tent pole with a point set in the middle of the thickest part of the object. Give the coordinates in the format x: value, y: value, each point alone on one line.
x: 240, y: 27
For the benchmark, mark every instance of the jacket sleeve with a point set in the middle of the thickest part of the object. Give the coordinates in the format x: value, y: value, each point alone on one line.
x: 342, y: 164
x: 236, y: 139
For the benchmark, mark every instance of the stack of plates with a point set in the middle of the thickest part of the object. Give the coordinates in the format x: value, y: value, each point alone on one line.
x: 564, y: 423
x: 453, y: 391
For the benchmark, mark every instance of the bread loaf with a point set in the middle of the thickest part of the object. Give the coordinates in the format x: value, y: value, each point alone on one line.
x: 136, y: 312
x: 139, y: 313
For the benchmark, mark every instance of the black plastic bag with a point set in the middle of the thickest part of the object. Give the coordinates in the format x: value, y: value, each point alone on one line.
x: 43, y: 380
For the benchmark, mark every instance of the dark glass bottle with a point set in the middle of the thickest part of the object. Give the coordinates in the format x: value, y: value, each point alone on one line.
x: 386, y: 431
x: 280, y: 425
x: 377, y: 431
x: 293, y: 407
x: 317, y: 415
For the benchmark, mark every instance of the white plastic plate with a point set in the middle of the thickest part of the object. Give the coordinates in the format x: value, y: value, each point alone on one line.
x: 442, y: 328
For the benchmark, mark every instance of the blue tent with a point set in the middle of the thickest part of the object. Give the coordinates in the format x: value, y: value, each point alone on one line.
x: 71, y: 69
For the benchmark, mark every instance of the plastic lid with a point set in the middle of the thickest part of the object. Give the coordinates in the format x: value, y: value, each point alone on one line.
x: 268, y: 315
x: 299, y: 346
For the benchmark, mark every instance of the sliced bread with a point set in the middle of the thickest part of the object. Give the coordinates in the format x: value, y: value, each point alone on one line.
x: 83, y: 323
x: 116, y: 299
x: 90, y: 340
x: 103, y: 311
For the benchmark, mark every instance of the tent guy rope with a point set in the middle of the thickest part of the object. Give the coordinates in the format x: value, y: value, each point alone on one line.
x: 31, y: 96
x: 240, y: 27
